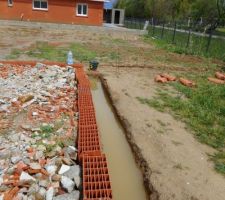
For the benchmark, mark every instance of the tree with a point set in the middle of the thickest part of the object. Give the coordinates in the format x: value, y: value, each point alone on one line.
x: 211, y: 10
x: 221, y: 8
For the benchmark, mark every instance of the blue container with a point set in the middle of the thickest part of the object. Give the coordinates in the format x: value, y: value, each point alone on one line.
x: 70, y: 58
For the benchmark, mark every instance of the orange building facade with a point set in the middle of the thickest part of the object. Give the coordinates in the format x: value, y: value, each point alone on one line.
x: 87, y: 12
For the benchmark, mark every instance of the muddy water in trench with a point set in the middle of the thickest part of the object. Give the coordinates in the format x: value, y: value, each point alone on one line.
x: 126, y: 178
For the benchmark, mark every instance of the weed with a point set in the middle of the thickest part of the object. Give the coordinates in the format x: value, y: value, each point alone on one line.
x: 81, y: 52
x: 219, y: 159
x: 202, y: 109
x: 178, y: 166
x: 197, y: 45
x: 159, y: 131
x: 49, y: 147
x: 15, y: 53
x: 46, y: 131
x: 151, y: 102
x: 119, y: 41
x: 161, y: 123
x: 114, y: 56
x: 47, y: 51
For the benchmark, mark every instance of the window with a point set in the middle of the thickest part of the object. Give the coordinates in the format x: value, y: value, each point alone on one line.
x: 82, y: 9
x: 40, y: 4
x: 10, y: 2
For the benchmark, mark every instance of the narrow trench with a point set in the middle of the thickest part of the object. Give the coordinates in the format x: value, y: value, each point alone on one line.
x: 126, y: 177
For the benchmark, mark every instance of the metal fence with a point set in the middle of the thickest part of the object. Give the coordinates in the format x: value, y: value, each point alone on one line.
x: 192, y: 37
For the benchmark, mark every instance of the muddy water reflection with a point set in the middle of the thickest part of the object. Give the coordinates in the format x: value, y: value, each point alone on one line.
x: 127, y: 182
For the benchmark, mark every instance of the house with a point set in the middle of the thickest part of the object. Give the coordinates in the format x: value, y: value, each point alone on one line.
x: 88, y: 12
x: 113, y: 15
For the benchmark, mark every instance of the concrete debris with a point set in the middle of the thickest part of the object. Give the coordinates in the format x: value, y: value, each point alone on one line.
x: 67, y: 184
x: 63, y: 169
x: 37, y: 110
x: 35, y: 166
x: 75, y: 195
x: 50, y: 193
x: 26, y: 177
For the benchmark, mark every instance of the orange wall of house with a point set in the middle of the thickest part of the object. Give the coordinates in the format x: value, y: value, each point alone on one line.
x: 59, y: 11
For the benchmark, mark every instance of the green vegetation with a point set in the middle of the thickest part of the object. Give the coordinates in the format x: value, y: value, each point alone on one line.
x: 220, y: 32
x: 47, y: 51
x: 81, y: 52
x: 201, y: 108
x: 51, y: 147
x: 219, y: 159
x: 195, y: 45
x: 114, y: 56
x: 178, y: 166
x: 45, y: 132
x: 174, y: 9
x: 15, y: 53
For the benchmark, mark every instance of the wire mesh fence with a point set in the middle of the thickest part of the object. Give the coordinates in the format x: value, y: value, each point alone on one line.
x: 185, y: 37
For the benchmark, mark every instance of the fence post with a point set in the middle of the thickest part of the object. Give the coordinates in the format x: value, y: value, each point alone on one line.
x: 153, y: 27
x: 174, y: 32
x: 149, y: 28
x: 209, y: 41
x: 189, y: 36
x: 162, y: 33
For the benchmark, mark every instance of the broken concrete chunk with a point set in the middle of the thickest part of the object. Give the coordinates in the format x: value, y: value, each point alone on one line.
x: 43, y: 183
x: 15, y: 159
x: 40, y: 65
x: 74, y: 173
x: 42, y: 191
x: 50, y: 193
x: 35, y: 166
x: 67, y: 184
x: 71, y: 149
x: 63, y: 169
x: 26, y: 177
x: 51, y: 169
x: 75, y: 195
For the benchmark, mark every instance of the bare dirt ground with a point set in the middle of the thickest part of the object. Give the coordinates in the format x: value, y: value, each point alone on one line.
x: 180, y: 167
x: 179, y: 164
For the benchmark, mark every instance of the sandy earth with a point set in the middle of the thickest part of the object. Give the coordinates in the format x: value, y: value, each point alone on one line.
x: 180, y: 167
x: 179, y: 164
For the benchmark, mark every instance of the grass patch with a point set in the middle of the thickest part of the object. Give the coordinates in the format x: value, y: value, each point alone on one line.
x: 43, y: 50
x: 219, y: 159
x: 220, y: 32
x: 46, y: 131
x: 197, y: 45
x: 15, y: 53
x: 114, y: 56
x: 201, y: 108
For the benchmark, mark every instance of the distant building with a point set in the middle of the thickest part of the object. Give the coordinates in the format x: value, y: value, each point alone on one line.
x: 88, y: 12
x: 112, y: 15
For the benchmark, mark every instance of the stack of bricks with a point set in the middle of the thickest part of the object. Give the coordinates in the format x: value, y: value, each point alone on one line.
x: 96, y: 181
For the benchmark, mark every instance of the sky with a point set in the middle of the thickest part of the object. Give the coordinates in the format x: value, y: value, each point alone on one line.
x: 110, y: 4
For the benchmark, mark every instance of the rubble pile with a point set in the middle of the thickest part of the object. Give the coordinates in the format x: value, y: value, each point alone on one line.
x: 38, y: 130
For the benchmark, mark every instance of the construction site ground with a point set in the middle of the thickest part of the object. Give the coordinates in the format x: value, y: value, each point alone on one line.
x: 179, y: 164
